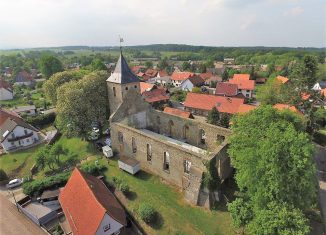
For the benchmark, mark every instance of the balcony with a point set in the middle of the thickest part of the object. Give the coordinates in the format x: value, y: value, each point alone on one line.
x: 16, y: 138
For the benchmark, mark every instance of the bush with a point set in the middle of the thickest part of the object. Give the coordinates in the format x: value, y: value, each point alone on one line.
x: 36, y: 187
x: 124, y: 188
x: 241, y: 212
x: 3, y: 175
x: 146, y: 212
x: 93, y: 169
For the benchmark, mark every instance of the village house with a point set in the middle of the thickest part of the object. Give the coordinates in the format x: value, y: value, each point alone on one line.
x: 156, y: 96
x: 6, y: 90
x: 161, y: 73
x: 24, y: 78
x: 15, y: 133
x: 190, y: 83
x: 172, y: 147
x: 229, y: 61
x: 283, y: 80
x: 212, y: 81
x: 226, y: 89
x: 25, y: 110
x: 7, y: 72
x: 178, y: 77
x: 164, y: 81
x: 90, y: 207
x: 245, y: 85
x: 319, y: 86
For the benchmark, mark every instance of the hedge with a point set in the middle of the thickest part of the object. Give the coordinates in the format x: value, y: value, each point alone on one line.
x: 41, y: 120
x: 36, y: 187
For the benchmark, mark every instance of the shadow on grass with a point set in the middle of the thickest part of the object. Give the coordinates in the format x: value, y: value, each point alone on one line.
x: 157, y: 222
x: 131, y: 196
x: 143, y: 175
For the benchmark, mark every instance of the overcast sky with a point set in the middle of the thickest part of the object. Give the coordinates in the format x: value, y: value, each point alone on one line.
x: 43, y: 23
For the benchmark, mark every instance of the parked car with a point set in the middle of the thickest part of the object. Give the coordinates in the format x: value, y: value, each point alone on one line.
x: 108, y: 142
x: 14, y: 183
x: 95, y: 129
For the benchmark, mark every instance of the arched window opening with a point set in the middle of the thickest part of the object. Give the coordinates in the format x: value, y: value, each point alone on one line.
x: 120, y: 137
x: 166, y: 161
x: 149, y: 152
x: 202, y: 136
x: 114, y: 92
x: 133, y: 144
x: 170, y: 126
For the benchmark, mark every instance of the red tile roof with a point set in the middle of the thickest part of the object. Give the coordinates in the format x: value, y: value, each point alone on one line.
x: 181, y: 76
x: 85, y: 200
x: 207, y: 102
x: 144, y: 86
x: 136, y: 69
x: 5, y: 114
x: 206, y: 75
x: 162, y: 73
x: 196, y: 81
x: 286, y: 106
x: 245, y: 108
x: 243, y: 82
x: 226, y: 89
x: 151, y: 73
x: 178, y: 112
x: 155, y: 95
x: 323, y: 92
x: 282, y: 79
x: 5, y: 85
x: 241, y: 76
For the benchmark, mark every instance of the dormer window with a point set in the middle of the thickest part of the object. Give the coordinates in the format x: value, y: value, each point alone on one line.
x: 106, y: 228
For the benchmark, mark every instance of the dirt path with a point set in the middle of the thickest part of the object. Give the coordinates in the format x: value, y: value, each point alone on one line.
x: 13, y: 222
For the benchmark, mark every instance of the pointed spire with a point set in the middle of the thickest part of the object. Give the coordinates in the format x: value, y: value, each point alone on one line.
x: 122, y: 74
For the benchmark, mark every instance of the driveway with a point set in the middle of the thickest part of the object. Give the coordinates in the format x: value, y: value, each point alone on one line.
x: 320, y: 159
x: 13, y: 222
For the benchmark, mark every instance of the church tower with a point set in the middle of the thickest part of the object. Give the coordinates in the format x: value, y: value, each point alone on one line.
x: 120, y: 82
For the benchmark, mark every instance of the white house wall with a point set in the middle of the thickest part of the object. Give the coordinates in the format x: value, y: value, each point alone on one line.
x: 5, y: 94
x: 108, y: 221
x: 187, y: 85
x: 19, y: 131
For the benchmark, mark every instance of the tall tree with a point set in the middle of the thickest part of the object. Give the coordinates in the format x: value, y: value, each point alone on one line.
x: 213, y: 116
x: 97, y: 64
x: 268, y: 150
x: 82, y: 102
x: 225, y: 75
x: 49, y: 65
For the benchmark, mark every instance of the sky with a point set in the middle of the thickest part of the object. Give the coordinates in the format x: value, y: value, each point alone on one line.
x: 50, y: 23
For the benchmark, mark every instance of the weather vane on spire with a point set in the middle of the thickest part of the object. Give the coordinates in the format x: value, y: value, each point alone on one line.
x: 120, y: 41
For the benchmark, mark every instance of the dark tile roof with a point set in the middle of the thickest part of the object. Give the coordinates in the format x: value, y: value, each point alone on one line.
x: 122, y: 74
x: 226, y: 89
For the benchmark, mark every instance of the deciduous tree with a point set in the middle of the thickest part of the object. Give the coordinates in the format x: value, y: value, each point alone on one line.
x: 49, y: 65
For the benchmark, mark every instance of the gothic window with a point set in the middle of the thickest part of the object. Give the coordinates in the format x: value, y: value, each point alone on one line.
x: 114, y: 92
x: 185, y: 132
x: 133, y: 144
x: 166, y: 161
x: 186, y: 166
x: 120, y: 137
x: 149, y: 152
x: 202, y: 136
x: 170, y: 126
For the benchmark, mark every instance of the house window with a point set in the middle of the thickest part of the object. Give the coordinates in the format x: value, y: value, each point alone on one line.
x: 248, y: 90
x: 166, y: 161
x: 135, y: 86
x: 149, y: 152
x: 133, y: 144
x: 186, y: 166
x: 120, y: 137
x: 126, y: 88
x: 27, y: 140
x: 106, y: 228
x: 247, y: 95
x: 25, y: 131
x: 202, y: 136
x: 12, y: 143
x: 114, y: 92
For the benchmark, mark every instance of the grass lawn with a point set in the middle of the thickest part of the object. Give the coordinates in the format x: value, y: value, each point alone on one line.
x: 175, y: 215
x: 19, y: 163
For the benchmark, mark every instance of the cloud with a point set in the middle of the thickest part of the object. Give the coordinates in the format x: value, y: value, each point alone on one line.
x: 248, y: 22
x: 295, y: 11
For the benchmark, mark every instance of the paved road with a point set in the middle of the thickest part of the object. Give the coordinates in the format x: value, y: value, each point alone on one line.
x: 13, y: 222
x: 320, y: 159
